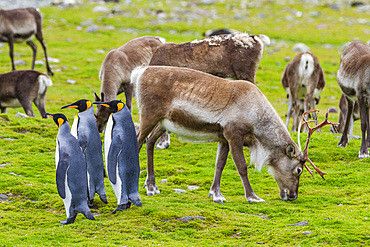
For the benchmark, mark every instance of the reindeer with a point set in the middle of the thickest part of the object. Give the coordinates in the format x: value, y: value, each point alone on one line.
x: 229, y: 56
x: 303, y: 80
x: 116, y: 70
x: 21, y: 88
x: 20, y: 25
x: 201, y: 107
x: 354, y: 79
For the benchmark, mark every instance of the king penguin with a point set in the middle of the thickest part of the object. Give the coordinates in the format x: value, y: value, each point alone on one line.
x: 122, y: 155
x: 85, y: 129
x: 71, y: 175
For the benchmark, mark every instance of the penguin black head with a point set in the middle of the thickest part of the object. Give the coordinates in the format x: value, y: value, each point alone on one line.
x: 58, y: 118
x: 114, y: 105
x: 80, y: 105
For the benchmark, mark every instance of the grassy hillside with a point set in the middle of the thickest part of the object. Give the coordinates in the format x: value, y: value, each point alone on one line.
x: 333, y: 211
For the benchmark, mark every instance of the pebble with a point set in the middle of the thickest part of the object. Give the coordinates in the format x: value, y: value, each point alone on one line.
x: 179, y: 191
x: 20, y: 115
x: 300, y: 47
x: 70, y: 81
x: 306, y: 232
x: 188, y: 218
x: 163, y: 181
x: 19, y: 62
x: 3, y: 197
x: 193, y: 187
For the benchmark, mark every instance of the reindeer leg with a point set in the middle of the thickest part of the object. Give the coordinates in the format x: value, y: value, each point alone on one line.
x: 150, y: 184
x: 129, y: 91
x: 27, y: 106
x: 40, y: 104
x: 344, y: 140
x: 50, y: 72
x: 11, y: 50
x: 235, y: 139
x: 364, y: 115
x: 34, y: 50
x: 221, y: 158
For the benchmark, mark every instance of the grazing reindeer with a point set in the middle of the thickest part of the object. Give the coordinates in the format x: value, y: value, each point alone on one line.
x: 20, y: 25
x: 21, y: 88
x: 343, y: 106
x: 303, y: 80
x: 116, y: 70
x: 201, y: 107
x: 354, y: 79
x: 228, y: 56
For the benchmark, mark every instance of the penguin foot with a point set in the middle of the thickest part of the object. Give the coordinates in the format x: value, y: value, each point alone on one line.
x: 137, y: 202
x: 90, y: 203
x: 122, y: 207
x: 103, y: 198
x: 68, y: 221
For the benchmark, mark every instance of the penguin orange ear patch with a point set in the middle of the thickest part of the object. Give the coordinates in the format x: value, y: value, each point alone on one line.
x: 88, y: 104
x: 60, y: 121
x: 120, y: 106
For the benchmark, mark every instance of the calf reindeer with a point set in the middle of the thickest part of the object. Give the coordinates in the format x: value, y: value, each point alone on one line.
x: 201, y: 107
x: 354, y: 79
x: 303, y: 80
x: 21, y: 88
x: 20, y: 25
x: 116, y: 70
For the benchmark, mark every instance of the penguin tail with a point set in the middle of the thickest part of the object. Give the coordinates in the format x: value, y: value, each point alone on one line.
x: 88, y: 214
x: 103, y: 198
x: 135, y: 199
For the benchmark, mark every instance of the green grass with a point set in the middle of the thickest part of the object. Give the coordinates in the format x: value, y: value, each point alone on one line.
x: 336, y: 209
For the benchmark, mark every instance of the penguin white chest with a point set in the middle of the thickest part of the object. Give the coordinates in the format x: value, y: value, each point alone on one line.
x: 74, y: 130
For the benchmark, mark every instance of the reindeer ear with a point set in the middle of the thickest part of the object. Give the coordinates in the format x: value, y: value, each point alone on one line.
x: 290, y: 151
x: 96, y: 97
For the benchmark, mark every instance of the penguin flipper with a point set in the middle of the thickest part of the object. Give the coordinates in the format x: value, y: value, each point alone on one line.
x: 114, y: 151
x: 82, y: 140
x: 63, y: 165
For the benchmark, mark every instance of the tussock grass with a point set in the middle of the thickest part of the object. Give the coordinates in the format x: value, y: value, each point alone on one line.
x: 336, y: 210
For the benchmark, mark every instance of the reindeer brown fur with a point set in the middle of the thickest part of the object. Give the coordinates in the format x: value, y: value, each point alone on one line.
x: 21, y: 88
x: 116, y: 70
x: 354, y: 79
x: 303, y: 80
x: 201, y: 107
x: 20, y: 25
x: 228, y: 56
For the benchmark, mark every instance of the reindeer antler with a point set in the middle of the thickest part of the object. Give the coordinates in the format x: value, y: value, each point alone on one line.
x: 310, y: 132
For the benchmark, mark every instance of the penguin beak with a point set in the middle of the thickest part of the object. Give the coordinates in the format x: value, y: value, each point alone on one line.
x: 51, y: 115
x: 69, y: 106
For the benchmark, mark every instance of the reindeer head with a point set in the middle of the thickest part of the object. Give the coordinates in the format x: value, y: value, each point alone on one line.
x: 287, y: 166
x: 101, y: 114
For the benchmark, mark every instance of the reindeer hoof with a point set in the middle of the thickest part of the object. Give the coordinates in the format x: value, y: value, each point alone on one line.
x: 217, y: 197
x: 255, y: 199
x: 363, y: 155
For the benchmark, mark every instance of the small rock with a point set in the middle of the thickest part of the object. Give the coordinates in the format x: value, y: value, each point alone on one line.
x: 315, y: 14
x: 333, y: 109
x: 302, y: 223
x: 163, y: 181
x: 91, y: 29
x: 287, y: 58
x: 87, y: 23
x: 261, y: 15
x: 3, y: 197
x: 100, y: 51
x: 20, y: 115
x: 193, y: 187
x: 39, y: 62
x: 306, y: 232
x: 19, y: 62
x: 53, y: 60
x: 78, y: 28
x: 179, y: 191
x: 300, y: 47
x: 70, y: 81
x: 188, y: 218
x: 90, y: 60
x: 101, y: 9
